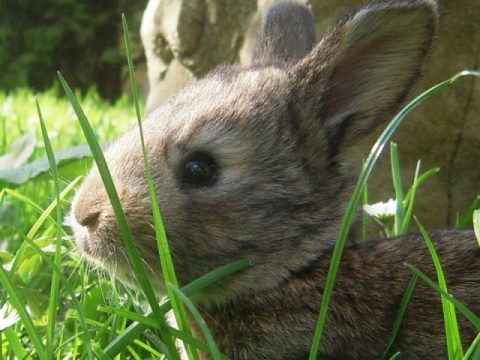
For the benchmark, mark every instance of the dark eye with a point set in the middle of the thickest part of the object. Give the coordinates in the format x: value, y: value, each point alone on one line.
x: 199, y: 169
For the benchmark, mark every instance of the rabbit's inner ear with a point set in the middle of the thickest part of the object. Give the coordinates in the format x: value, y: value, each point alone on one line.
x: 361, y: 71
x: 287, y: 35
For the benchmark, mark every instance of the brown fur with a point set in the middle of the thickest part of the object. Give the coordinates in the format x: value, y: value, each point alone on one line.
x: 367, y: 295
x: 277, y: 131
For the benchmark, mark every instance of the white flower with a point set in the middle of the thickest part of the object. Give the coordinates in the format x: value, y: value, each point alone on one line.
x: 382, y: 210
x: 7, y: 320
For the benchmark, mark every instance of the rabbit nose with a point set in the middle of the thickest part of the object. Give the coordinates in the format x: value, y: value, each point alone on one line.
x: 89, y: 219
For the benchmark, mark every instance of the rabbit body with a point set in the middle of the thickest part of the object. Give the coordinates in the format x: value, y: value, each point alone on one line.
x: 369, y: 288
x: 247, y: 164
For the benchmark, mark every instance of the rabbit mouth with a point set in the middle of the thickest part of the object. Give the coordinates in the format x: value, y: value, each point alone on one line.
x: 104, y: 252
x: 103, y: 247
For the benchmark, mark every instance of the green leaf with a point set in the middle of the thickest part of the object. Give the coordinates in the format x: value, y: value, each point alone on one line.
x: 469, y: 314
x: 401, y: 311
x: 15, y: 345
x: 454, y: 343
x: 77, y: 156
x: 473, y: 351
x: 16, y: 301
x: 397, y: 183
x: 19, y: 152
x: 5, y: 257
x: 200, y: 321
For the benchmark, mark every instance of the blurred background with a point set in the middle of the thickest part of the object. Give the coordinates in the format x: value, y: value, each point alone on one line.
x: 81, y: 39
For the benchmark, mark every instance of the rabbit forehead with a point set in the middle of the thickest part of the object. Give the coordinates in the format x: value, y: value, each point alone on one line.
x: 224, y: 96
x: 227, y: 113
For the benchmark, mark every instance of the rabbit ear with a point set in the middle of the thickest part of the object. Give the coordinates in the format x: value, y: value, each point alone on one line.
x: 361, y: 71
x: 286, y: 36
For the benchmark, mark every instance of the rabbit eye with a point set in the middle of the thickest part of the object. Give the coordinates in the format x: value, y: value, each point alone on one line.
x: 199, y: 169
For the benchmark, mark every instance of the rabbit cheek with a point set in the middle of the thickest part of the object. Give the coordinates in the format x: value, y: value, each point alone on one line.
x: 103, y: 246
x: 97, y: 234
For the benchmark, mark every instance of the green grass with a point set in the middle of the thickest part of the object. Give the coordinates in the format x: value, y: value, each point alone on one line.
x: 50, y: 289
x: 67, y: 310
x: 18, y: 116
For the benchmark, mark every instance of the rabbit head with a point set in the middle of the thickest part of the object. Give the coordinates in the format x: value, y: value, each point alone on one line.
x: 247, y: 162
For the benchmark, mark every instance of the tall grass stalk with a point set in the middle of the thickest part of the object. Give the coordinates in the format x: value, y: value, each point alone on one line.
x: 54, y: 289
x: 404, y: 210
x: 17, y: 302
x: 163, y: 247
x: 15, y: 293
x: 454, y: 342
x: 397, y: 184
x: 410, y: 197
x: 401, y: 311
x: 474, y: 348
x: 467, y: 219
x: 134, y: 330
x: 356, y: 197
x: 469, y: 314
x: 132, y: 251
x: 213, y: 349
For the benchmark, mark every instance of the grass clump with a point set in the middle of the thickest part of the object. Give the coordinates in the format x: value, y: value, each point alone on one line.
x: 41, y: 282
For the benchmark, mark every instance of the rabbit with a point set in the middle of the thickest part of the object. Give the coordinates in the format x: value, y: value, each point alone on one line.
x: 248, y: 163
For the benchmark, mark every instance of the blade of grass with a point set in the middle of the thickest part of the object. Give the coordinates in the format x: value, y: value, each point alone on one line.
x: 454, y: 343
x: 468, y: 216
x: 131, y: 69
x: 409, y: 200
x: 473, y: 351
x: 15, y: 346
x: 410, y: 197
x: 162, y: 243
x: 44, y: 215
x: 10, y: 288
x: 22, y: 198
x: 420, y: 180
x: 119, y: 343
x: 214, y: 352
x: 124, y: 227
x: 401, y: 311
x: 71, y: 291
x: 397, y: 184
x: 364, y: 213
x: 469, y: 314
x: 54, y: 288
x: 355, y: 200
